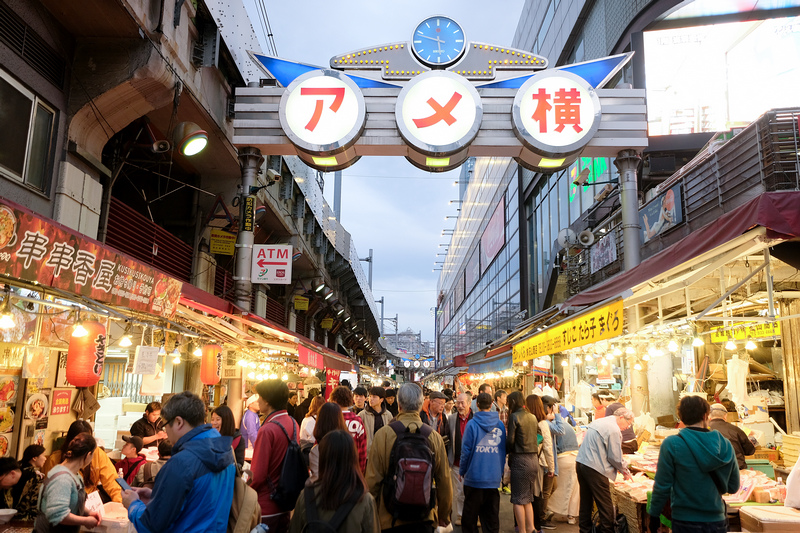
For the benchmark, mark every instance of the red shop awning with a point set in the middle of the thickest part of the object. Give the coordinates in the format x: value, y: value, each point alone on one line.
x: 778, y: 212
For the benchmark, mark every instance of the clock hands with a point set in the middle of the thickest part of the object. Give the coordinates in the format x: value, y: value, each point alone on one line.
x: 438, y: 43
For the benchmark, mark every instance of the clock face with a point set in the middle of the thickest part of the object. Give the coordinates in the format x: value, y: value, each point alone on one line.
x: 438, y: 41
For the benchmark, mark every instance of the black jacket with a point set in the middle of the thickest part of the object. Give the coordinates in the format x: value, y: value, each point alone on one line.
x: 741, y: 444
x: 144, y: 428
x: 301, y: 409
x: 443, y: 429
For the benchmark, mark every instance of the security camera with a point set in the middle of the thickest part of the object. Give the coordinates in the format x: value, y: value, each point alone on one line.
x: 580, y: 180
x: 273, y: 175
x: 604, y: 192
x: 159, y: 147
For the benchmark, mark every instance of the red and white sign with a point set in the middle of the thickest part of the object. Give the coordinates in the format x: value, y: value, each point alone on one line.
x: 439, y: 112
x: 309, y: 357
x: 322, y: 110
x: 272, y: 263
x: 558, y: 110
x: 61, y: 402
x: 331, y: 381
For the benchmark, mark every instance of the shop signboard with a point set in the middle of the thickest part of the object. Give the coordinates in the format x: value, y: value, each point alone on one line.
x: 326, y: 323
x: 494, y: 236
x: 603, y: 253
x: 222, y: 242
x: 146, y: 360
x: 744, y: 331
x: 662, y: 214
x: 599, y: 324
x: 248, y: 213
x: 272, y: 263
x: 331, y: 381
x: 35, y: 249
x: 300, y: 303
x: 308, y: 357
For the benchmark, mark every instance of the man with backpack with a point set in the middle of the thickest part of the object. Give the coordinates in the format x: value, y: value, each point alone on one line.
x: 277, y: 476
x: 404, y: 454
x: 483, y: 459
x: 194, y: 490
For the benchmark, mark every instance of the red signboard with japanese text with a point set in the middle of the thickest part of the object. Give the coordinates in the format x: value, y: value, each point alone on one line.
x: 331, y: 381
x: 309, y: 357
x: 61, y: 402
x: 494, y: 236
x: 35, y: 249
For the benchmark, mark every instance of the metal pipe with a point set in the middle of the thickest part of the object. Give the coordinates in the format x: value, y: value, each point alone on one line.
x: 250, y: 160
x: 337, y: 195
x: 627, y: 162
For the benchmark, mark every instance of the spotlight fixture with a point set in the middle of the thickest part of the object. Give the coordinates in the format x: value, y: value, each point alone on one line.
x: 672, y: 346
x: 176, y: 360
x: 697, y: 341
x: 637, y: 366
x: 578, y: 360
x: 524, y: 363
x: 6, y: 317
x: 750, y: 345
x: 564, y: 363
x: 189, y: 138
x: 616, y: 351
x: 125, y: 341
x: 319, y: 284
x: 646, y: 357
x: 198, y: 352
x: 630, y: 350
x: 730, y: 345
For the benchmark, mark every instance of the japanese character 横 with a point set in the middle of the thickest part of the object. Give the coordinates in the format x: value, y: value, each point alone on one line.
x: 568, y: 109
x: 33, y: 247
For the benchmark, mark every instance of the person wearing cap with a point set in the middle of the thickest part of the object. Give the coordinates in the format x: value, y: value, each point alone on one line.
x: 360, y: 399
x: 250, y: 421
x: 132, y: 461
x: 149, y: 426
x: 390, y: 401
x: 434, y: 416
x: 375, y: 416
x: 742, y: 445
x: 629, y: 442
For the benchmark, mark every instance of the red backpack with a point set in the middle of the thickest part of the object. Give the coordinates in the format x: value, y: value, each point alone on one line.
x: 408, y: 489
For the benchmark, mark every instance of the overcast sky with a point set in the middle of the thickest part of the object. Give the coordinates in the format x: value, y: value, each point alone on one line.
x: 388, y: 204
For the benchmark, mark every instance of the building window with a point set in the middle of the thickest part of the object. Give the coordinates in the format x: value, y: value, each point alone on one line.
x: 26, y: 138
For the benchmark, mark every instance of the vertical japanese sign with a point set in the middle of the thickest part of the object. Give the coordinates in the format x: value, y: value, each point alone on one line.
x: 272, y: 263
x: 555, y: 114
x: 331, y: 381
x: 600, y: 324
x: 248, y: 213
x: 35, y: 249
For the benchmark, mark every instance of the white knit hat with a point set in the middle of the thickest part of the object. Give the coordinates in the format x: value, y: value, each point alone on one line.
x: 251, y: 399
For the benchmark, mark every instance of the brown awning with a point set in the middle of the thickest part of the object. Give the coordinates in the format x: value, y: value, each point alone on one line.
x: 778, y: 212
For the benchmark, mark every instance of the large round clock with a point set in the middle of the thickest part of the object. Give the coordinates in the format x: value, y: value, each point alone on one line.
x: 438, y: 41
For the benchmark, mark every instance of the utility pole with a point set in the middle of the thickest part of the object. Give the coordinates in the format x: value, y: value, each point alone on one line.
x: 337, y: 197
x: 379, y: 302
x: 369, y: 260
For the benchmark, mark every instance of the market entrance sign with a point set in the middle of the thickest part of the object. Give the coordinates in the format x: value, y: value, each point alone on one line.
x: 601, y: 324
x: 478, y: 100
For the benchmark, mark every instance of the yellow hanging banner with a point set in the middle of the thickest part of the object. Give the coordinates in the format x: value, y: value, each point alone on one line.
x: 745, y: 330
x: 600, y: 324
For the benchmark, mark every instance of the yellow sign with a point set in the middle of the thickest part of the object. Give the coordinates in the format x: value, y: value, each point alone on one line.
x: 745, y: 330
x: 300, y: 303
x: 222, y: 242
x: 600, y: 324
x: 326, y: 323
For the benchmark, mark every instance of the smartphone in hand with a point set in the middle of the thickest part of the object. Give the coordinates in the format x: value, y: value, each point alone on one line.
x: 123, y: 484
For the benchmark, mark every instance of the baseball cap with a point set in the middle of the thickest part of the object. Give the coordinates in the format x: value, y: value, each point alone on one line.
x: 436, y: 395
x: 136, y: 441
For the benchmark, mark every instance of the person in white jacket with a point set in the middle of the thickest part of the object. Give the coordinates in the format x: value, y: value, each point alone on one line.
x: 793, y: 488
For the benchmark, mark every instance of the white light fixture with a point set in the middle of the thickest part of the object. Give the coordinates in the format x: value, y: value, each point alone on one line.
x: 176, y: 360
x: 730, y: 345
x: 750, y: 345
x: 242, y: 363
x: 617, y: 352
x: 564, y: 362
x: 251, y: 375
x: 124, y: 342
x: 646, y: 357
x: 630, y: 350
x: 6, y: 317
x: 637, y: 366
x: 672, y: 346
x: 524, y: 363
x: 198, y: 352
x: 578, y: 360
x: 273, y: 376
x: 189, y: 138
x: 78, y: 330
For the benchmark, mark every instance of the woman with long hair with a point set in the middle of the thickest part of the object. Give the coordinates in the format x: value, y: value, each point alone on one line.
x: 522, y: 448
x: 330, y: 418
x: 99, y: 474
x: 25, y: 494
x: 547, y: 465
x: 307, y: 427
x: 61, y: 505
x: 222, y: 421
x: 340, y: 485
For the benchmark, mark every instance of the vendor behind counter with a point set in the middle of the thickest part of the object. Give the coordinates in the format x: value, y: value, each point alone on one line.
x: 742, y: 445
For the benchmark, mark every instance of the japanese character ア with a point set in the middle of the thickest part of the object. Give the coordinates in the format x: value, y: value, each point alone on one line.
x: 32, y: 247
x: 61, y: 257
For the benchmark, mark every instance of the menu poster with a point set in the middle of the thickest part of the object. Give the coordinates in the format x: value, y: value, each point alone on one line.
x: 38, y: 437
x: 61, y: 371
x: 5, y: 444
x: 146, y: 360
x: 37, y: 406
x: 35, y: 363
x: 9, y: 387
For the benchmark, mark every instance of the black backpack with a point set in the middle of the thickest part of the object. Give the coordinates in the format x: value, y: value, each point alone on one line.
x: 313, y: 522
x: 294, y: 473
x: 408, y: 489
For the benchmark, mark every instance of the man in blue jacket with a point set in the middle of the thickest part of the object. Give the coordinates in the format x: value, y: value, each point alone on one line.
x: 194, y: 489
x: 483, y: 458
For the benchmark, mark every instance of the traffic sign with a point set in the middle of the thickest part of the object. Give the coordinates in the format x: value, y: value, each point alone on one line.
x: 272, y: 263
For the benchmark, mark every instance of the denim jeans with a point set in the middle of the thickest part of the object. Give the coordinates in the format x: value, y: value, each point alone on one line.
x: 679, y: 526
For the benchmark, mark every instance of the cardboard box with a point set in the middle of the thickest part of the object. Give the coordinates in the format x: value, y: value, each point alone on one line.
x: 765, y: 453
x: 769, y: 519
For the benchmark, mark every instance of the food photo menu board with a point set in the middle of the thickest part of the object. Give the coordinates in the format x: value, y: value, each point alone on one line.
x: 9, y: 387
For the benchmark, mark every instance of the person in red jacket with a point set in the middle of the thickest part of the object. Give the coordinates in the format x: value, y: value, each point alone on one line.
x: 344, y: 398
x: 132, y: 461
x: 270, y: 450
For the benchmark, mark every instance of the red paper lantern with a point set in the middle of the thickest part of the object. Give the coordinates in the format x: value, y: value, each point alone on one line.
x: 211, y: 364
x: 86, y: 356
